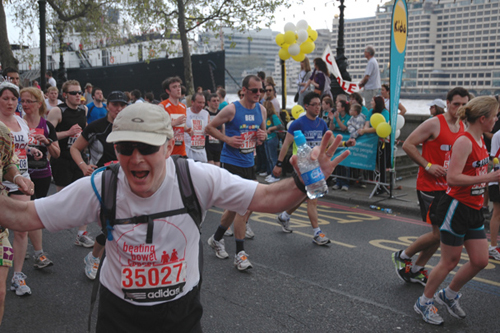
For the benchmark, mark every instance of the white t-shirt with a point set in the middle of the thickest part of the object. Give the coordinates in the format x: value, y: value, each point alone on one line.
x: 195, y: 144
x: 21, y: 140
x: 52, y: 82
x: 495, y: 145
x: 175, y: 248
x: 374, y: 72
x: 49, y: 107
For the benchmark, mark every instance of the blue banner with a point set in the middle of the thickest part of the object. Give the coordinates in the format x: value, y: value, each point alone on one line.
x: 399, y: 38
x: 363, y: 154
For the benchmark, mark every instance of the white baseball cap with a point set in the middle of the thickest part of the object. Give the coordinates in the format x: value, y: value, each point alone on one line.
x: 142, y: 122
x: 438, y: 102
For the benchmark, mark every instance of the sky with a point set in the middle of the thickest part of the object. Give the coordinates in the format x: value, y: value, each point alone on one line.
x: 318, y: 13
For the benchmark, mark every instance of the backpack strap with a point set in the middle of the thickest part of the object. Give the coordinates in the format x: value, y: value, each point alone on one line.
x: 188, y: 194
x: 107, y: 198
x: 90, y: 111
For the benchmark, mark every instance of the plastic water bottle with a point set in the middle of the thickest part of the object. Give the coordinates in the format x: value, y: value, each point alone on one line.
x: 387, y: 210
x: 309, y: 170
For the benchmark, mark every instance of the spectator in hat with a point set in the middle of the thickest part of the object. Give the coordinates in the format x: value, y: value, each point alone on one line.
x: 88, y: 93
x: 437, y: 107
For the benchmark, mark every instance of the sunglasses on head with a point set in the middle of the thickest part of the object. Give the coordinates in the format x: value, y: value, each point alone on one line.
x: 256, y: 90
x: 79, y: 92
x: 127, y: 148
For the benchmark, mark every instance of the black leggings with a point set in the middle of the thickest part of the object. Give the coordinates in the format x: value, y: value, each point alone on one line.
x: 42, y: 186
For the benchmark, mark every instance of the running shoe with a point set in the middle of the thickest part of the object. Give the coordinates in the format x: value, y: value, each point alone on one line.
x: 84, y: 240
x: 218, y: 246
x: 321, y: 239
x: 452, y: 305
x: 403, y: 266
x: 494, y: 253
x: 263, y: 174
x: 249, y: 233
x: 285, y: 224
x: 428, y: 312
x: 335, y: 187
x: 344, y: 188
x: 91, y: 265
x: 419, y: 277
x: 19, y: 285
x: 241, y: 261
x: 229, y: 232
x: 41, y: 261
x: 268, y: 177
x: 272, y: 179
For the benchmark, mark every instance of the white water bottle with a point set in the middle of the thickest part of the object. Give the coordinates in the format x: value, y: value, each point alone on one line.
x: 311, y: 173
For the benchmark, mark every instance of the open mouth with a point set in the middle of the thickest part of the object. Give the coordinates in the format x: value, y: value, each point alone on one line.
x: 140, y: 174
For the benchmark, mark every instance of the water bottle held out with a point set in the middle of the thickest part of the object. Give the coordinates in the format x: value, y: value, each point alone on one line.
x: 311, y: 173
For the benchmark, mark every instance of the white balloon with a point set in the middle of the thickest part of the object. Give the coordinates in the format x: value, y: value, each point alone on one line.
x: 302, y: 114
x: 401, y: 122
x: 302, y: 25
x: 294, y: 49
x: 302, y: 36
x: 289, y: 123
x: 397, y: 134
x: 290, y: 27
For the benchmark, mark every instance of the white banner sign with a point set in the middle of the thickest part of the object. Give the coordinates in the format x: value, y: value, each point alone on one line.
x: 347, y: 86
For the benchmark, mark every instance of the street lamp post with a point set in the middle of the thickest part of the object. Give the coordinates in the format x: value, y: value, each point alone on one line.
x: 43, y: 45
x: 341, y: 59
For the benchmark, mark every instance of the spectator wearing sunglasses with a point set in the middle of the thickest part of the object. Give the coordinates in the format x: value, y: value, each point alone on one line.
x: 69, y: 119
x: 144, y: 287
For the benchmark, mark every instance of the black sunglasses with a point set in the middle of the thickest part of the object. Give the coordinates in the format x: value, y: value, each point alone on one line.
x: 256, y: 90
x: 79, y: 92
x: 127, y: 148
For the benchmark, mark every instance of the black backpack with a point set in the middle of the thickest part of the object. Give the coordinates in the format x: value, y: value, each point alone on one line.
x: 107, y: 198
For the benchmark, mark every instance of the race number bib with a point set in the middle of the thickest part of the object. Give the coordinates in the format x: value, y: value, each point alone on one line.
x: 197, y: 139
x: 23, y: 159
x: 153, y: 283
x: 178, y: 131
x: 72, y: 139
x: 31, y: 140
x: 249, y: 141
x: 480, y: 188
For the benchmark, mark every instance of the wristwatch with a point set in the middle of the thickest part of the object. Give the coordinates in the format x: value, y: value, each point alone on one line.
x: 50, y: 142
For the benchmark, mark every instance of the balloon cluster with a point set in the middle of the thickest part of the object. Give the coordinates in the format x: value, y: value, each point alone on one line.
x: 297, y: 41
x: 382, y: 128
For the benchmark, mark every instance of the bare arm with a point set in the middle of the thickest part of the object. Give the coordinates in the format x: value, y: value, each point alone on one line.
x: 363, y: 81
x: 76, y: 153
x: 55, y: 117
x: 284, y: 149
x: 462, y: 148
x: 285, y: 194
x: 224, y: 116
x: 19, y: 215
x: 429, y: 130
x: 402, y: 109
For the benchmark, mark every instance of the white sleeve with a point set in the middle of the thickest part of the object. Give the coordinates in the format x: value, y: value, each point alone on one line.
x: 495, y: 143
x: 215, y: 186
x: 74, y: 206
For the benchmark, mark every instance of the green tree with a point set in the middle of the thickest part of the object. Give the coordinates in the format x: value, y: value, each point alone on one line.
x: 189, y: 16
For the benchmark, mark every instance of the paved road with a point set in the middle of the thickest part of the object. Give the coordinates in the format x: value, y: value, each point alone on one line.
x: 295, y: 286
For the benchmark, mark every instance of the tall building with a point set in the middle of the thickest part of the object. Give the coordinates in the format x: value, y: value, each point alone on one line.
x: 450, y: 43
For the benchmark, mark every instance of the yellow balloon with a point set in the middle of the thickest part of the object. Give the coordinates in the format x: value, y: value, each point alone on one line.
x: 384, y: 130
x: 313, y: 35
x: 283, y: 54
x: 296, y: 111
x: 309, y: 29
x: 307, y: 47
x: 376, y: 119
x: 299, y: 57
x: 290, y: 37
x: 280, y: 39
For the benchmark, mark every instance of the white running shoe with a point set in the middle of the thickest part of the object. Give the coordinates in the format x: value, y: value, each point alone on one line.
x: 84, y: 240
x: 229, y: 232
x: 241, y: 261
x: 249, y: 233
x: 218, y: 246
x: 272, y: 179
x: 19, y: 285
x: 494, y: 253
x: 91, y: 265
x: 285, y: 224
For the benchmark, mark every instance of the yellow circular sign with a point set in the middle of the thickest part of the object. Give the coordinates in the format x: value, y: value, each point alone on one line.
x: 400, y: 32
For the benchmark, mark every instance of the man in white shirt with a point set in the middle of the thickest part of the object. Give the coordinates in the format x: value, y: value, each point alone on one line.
x: 152, y: 286
x: 196, y: 119
x: 371, y: 80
